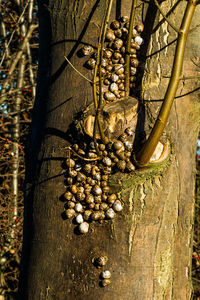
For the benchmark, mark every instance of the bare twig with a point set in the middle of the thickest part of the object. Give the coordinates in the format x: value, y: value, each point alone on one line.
x: 165, y: 17
x: 143, y: 156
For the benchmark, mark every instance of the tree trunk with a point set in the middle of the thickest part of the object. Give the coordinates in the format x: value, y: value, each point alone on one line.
x: 149, y: 244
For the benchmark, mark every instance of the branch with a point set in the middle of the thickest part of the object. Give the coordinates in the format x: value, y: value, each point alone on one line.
x: 165, y: 17
x: 143, y: 156
x: 128, y: 48
x: 17, y: 58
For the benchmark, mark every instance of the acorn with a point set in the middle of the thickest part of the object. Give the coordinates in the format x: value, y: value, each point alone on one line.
x: 118, y: 43
x: 97, y: 190
x: 140, y: 27
x: 103, y: 206
x: 117, y: 55
x: 87, y: 168
x: 108, y: 53
x: 109, y: 68
x: 130, y: 167
x: 80, y: 189
x: 112, y: 198
x: 130, y: 131
x: 95, y: 216
x: 115, y: 25
x: 97, y: 199
x: 72, y: 173
x: 79, y: 219
x: 114, y: 77
x: 110, y: 36
x: 104, y: 183
x: 105, y: 282
x: 128, y: 145
x: 118, y: 33
x: 68, y: 195
x: 134, y: 62
x: 87, y: 214
x: 80, y: 177
x: 133, y: 71
x: 123, y: 50
x: 70, y: 213
x: 121, y: 87
x: 104, y: 197
x: 122, y: 94
x: 87, y: 50
x: 139, y: 40
x: 110, y: 214
x: 69, y: 180
x: 91, y: 63
x: 109, y: 96
x: 119, y: 69
x: 135, y: 45
x: 101, y: 261
x: 105, y: 189
x: 106, y: 81
x: 125, y: 19
x: 122, y: 60
x: 121, y: 164
x: 97, y: 176
x: 89, y: 199
x: 73, y: 188
x: 118, y: 145
x: 80, y: 196
x: 70, y: 163
x: 78, y: 207
x: 117, y: 206
x: 71, y: 204
x: 75, y: 147
x: 113, y: 87
x: 84, y: 227
x: 97, y: 206
x: 102, y: 147
x: 105, y: 274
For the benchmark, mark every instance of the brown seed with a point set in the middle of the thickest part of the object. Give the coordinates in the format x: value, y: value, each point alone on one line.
x: 72, y: 173
x: 106, y: 189
x: 87, y: 50
x: 68, y: 195
x: 91, y: 63
x: 118, y: 33
x: 95, y: 215
x: 70, y: 163
x: 96, y: 206
x: 97, y: 199
x: 73, y: 188
x: 121, y: 165
x: 69, y: 180
x: 91, y: 205
x: 115, y: 25
x: 103, y: 206
x: 107, y: 53
x: 70, y: 213
x: 80, y: 196
x: 87, y: 214
x: 134, y: 62
x: 111, y: 198
x: 140, y: 27
x: 71, y: 204
x: 87, y: 168
x: 110, y: 36
x: 89, y: 199
x: 104, y: 197
x: 118, y: 43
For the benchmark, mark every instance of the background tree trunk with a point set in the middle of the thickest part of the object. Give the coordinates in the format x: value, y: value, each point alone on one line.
x: 149, y: 244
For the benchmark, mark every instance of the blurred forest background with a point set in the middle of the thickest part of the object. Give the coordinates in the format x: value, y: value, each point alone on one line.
x: 19, y: 42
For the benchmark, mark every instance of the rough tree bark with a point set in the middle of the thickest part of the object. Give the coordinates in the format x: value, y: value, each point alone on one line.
x: 149, y: 244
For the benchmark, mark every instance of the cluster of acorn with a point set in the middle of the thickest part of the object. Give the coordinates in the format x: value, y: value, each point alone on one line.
x: 113, y: 64
x: 88, y: 196
x: 104, y: 275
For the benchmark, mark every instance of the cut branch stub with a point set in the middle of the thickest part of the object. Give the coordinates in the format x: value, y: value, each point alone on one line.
x: 115, y: 117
